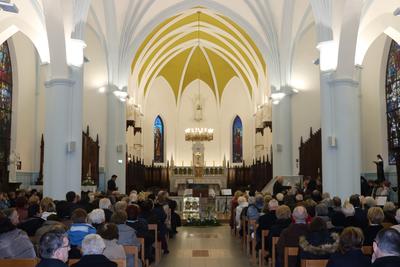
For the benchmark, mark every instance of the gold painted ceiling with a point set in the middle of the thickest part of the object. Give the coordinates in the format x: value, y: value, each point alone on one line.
x: 198, y: 44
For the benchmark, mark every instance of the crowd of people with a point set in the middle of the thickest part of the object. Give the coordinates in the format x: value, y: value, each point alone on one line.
x: 320, y: 226
x: 92, y: 228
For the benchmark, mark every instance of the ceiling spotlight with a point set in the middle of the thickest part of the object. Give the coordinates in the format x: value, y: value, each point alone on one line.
x: 5, y: 5
x: 396, y: 12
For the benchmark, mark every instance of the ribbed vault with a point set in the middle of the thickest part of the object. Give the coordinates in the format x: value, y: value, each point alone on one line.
x: 198, y: 44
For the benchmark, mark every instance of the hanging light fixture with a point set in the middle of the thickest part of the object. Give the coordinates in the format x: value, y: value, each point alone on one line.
x: 199, y: 134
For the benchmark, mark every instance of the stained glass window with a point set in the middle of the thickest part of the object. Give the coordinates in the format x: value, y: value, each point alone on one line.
x: 5, y: 109
x: 237, y: 140
x: 158, y: 140
x: 393, y: 100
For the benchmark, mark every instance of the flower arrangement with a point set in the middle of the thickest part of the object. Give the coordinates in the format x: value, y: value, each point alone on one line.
x: 88, y: 181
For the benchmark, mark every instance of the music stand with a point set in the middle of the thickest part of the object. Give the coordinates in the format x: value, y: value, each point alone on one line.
x: 226, y: 192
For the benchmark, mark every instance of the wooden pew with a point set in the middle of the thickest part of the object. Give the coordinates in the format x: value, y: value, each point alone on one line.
x: 262, y: 252
x: 142, y: 250
x: 289, y: 252
x: 314, y: 263
x: 251, y: 242
x: 274, y: 242
x: 19, y: 262
x: 132, y: 250
x: 157, y: 244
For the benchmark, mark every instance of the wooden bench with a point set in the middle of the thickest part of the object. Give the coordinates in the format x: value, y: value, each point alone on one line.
x: 19, y: 262
x: 262, y: 253
x: 314, y: 263
x: 132, y: 250
x: 289, y: 252
x: 157, y: 244
x: 142, y: 251
x: 273, y: 257
x: 251, y: 242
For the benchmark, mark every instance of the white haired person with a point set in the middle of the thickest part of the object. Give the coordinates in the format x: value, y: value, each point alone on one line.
x: 97, y: 218
x: 92, y: 249
x: 105, y: 204
x: 290, y: 236
x: 242, y: 203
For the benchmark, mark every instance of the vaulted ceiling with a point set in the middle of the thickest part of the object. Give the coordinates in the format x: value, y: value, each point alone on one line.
x: 198, y: 44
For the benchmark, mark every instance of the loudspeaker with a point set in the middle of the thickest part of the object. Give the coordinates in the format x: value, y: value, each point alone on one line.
x: 71, y: 146
x: 332, y: 141
x: 120, y: 148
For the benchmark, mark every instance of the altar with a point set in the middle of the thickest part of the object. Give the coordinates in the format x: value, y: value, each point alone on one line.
x: 179, y: 183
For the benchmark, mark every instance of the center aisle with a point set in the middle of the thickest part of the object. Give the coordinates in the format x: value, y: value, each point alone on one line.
x: 204, y: 247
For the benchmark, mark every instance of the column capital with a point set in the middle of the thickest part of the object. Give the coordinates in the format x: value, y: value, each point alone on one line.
x: 348, y: 82
x: 59, y: 82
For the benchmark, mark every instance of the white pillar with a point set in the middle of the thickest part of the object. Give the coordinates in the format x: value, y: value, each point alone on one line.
x: 341, y: 135
x: 282, y: 134
x: 116, y: 143
x: 63, y: 135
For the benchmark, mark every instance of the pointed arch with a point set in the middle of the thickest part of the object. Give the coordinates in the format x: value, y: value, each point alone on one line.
x: 237, y: 140
x: 158, y: 130
x: 393, y: 101
x: 5, y: 110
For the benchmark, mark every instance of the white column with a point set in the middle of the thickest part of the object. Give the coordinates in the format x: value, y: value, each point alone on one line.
x: 341, y: 136
x: 282, y: 134
x: 63, y: 135
x: 116, y: 143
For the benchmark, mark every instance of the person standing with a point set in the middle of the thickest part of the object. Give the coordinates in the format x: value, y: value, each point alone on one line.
x: 379, y: 169
x: 111, y: 185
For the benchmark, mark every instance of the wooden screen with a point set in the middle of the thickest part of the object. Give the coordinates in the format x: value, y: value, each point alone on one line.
x: 310, y: 155
x: 90, y: 157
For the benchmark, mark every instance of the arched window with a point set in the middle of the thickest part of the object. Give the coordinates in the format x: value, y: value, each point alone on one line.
x: 5, y: 109
x: 393, y: 100
x: 158, y: 140
x: 237, y: 140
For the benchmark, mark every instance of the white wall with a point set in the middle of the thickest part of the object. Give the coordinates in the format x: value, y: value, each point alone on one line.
x: 27, y: 103
x: 95, y: 102
x: 306, y: 111
x: 161, y: 101
x: 373, y: 108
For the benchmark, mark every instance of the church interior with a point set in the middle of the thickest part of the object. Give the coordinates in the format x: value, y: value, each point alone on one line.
x: 209, y: 106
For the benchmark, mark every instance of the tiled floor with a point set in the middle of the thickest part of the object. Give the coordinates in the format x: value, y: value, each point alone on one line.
x: 204, y: 247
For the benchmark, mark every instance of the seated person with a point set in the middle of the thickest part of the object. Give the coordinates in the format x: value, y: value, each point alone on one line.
x: 337, y: 217
x: 290, y: 236
x: 268, y: 219
x: 375, y: 219
x: 48, y: 208
x: 386, y: 249
x: 397, y: 217
x: 109, y: 233
x: 14, y: 243
x: 255, y: 207
x: 54, y: 247
x: 242, y: 204
x: 97, y: 218
x: 79, y: 229
x: 349, y: 252
x: 92, y: 250
x: 105, y: 204
x: 283, y: 220
x: 65, y: 208
x: 34, y: 220
x: 318, y: 243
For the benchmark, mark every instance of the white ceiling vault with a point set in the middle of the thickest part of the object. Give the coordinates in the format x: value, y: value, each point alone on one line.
x: 275, y: 27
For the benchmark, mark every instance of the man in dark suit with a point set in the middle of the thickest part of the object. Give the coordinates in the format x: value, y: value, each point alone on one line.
x: 386, y: 249
x: 360, y: 214
x: 54, y: 247
x: 111, y: 185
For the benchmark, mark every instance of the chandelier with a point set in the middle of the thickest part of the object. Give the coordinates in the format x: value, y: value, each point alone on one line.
x: 199, y: 134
